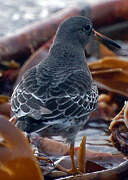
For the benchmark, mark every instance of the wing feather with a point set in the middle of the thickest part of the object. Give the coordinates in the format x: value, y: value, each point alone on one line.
x: 75, y: 96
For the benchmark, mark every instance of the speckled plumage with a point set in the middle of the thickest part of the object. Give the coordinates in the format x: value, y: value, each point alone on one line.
x: 56, y: 96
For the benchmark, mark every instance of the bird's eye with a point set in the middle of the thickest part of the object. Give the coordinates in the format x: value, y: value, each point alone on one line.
x: 88, y: 27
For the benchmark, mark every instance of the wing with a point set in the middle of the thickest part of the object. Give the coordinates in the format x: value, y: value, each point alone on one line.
x: 75, y: 97
x: 24, y: 100
x: 54, y: 97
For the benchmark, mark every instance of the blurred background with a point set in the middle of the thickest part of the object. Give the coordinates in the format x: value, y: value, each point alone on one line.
x: 15, y: 14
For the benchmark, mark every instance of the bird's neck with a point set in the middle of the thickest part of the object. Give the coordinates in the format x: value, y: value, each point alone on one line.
x: 67, y: 53
x: 67, y: 56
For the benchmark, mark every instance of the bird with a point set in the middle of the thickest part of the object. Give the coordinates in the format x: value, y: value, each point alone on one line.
x: 56, y: 96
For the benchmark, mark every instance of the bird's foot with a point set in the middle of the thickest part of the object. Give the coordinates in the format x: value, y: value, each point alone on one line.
x: 74, y: 171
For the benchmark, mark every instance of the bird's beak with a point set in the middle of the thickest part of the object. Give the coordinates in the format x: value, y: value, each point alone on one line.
x: 105, y: 40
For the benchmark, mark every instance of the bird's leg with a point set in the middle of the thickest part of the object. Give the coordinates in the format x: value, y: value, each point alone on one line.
x: 82, y: 156
x: 81, y: 160
x: 74, y: 169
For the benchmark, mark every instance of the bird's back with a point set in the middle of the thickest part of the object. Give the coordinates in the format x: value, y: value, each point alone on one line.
x: 54, y: 98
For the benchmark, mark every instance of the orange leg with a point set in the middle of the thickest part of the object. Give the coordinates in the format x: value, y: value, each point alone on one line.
x: 74, y: 169
x: 82, y: 156
x: 81, y: 160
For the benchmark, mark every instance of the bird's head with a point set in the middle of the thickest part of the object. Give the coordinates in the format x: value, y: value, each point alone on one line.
x: 76, y: 30
x: 79, y: 30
